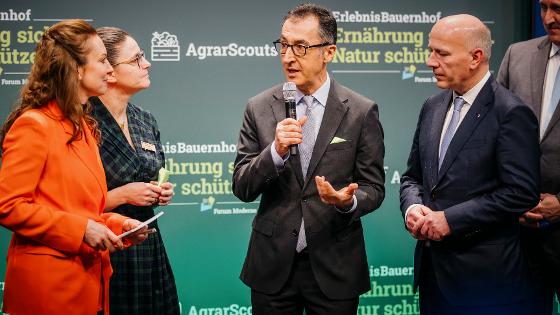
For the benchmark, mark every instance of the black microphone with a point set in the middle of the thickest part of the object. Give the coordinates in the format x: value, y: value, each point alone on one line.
x: 289, y: 92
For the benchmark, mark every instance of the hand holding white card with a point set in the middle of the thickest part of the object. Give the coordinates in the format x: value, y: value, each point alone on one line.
x: 141, y: 225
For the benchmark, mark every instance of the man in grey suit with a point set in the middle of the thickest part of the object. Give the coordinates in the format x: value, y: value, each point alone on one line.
x: 530, y: 70
x: 306, y: 249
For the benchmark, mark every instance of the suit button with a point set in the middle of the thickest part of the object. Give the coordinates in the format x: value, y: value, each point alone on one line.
x: 294, y: 232
x: 304, y: 200
x: 433, y: 196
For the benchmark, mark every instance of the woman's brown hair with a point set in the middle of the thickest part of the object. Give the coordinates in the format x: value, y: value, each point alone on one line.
x: 54, y: 76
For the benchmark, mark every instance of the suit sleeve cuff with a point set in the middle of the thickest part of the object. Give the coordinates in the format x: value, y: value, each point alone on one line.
x: 408, y: 209
x: 276, y: 158
x: 354, y: 206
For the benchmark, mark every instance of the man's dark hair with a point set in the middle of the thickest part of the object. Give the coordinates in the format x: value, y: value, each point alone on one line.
x: 327, y: 22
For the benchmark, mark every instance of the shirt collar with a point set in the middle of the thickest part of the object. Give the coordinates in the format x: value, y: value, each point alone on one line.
x: 320, y: 95
x: 553, y: 50
x: 471, y: 94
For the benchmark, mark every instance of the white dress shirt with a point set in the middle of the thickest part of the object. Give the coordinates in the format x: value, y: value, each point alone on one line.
x: 551, y: 69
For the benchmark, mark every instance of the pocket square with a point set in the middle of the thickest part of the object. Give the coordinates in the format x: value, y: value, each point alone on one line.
x: 337, y: 140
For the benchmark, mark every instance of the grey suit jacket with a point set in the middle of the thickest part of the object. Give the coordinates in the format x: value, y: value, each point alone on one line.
x: 523, y: 72
x: 334, y: 240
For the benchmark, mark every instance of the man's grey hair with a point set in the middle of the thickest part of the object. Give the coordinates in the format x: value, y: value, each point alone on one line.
x: 478, y: 37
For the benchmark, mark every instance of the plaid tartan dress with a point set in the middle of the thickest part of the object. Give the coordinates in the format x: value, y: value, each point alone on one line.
x: 142, y: 280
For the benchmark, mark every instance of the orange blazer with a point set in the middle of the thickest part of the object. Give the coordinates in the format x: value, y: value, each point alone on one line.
x: 48, y: 190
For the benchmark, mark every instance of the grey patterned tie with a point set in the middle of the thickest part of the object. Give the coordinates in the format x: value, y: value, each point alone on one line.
x: 305, y: 151
x: 457, y: 105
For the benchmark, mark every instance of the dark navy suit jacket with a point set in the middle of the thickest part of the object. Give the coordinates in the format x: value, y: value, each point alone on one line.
x: 490, y: 175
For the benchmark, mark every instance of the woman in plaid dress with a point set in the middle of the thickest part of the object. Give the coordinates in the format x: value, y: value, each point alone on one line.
x: 132, y: 155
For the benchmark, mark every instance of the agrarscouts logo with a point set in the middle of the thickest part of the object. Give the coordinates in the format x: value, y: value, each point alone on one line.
x: 165, y: 47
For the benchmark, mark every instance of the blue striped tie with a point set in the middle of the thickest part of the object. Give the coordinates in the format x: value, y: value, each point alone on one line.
x: 457, y: 105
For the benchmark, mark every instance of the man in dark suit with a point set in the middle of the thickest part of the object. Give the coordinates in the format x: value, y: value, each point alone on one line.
x: 530, y: 70
x: 307, y: 247
x: 472, y: 170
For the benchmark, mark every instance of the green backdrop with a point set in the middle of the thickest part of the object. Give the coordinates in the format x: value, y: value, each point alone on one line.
x: 208, y: 58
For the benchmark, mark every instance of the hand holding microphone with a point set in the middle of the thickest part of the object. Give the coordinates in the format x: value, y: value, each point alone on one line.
x: 288, y: 131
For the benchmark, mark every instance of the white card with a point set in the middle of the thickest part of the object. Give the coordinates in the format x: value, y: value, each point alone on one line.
x: 141, y: 225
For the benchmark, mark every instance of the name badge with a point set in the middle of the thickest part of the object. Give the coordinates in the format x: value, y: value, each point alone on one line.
x: 148, y: 146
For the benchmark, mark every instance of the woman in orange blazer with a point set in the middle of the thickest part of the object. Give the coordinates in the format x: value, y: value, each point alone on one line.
x: 52, y: 183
